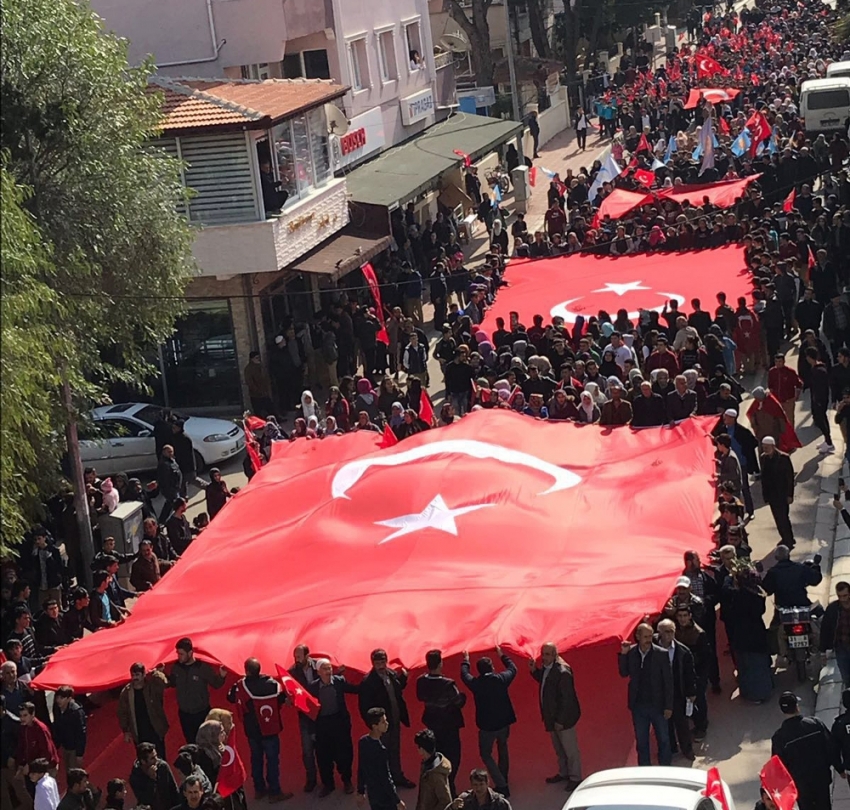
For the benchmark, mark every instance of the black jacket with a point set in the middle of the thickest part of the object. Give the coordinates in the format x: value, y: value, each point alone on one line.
x: 829, y: 624
x: 169, y: 479
x: 745, y: 438
x: 493, y: 707
x: 788, y: 580
x: 69, y: 728
x: 804, y: 746
x: 681, y: 407
x: 443, y: 702
x: 684, y: 673
x: 373, y: 773
x: 342, y: 687
x: 660, y: 673
x: 558, y: 699
x: 777, y: 476
x: 648, y: 411
x: 158, y: 794
x: 184, y: 454
x: 179, y: 533
x: 840, y: 734
x: 54, y: 568
x: 373, y: 693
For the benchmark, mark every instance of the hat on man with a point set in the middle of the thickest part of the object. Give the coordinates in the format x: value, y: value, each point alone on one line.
x: 731, y: 412
x: 769, y: 440
x: 788, y: 702
x: 278, y: 340
x: 683, y: 582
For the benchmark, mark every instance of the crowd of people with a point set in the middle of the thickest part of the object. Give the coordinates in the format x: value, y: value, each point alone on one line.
x: 794, y: 223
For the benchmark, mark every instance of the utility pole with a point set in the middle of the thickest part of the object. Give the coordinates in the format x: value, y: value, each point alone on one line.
x: 512, y: 69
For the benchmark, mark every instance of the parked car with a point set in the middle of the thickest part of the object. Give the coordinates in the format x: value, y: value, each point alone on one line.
x: 122, y: 439
x: 649, y: 788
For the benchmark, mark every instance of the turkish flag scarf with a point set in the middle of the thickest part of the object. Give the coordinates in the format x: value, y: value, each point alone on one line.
x: 231, y: 774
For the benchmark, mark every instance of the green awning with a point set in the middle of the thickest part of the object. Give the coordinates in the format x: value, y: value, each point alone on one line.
x: 399, y: 174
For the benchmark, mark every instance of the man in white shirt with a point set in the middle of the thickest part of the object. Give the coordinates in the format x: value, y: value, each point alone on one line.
x: 46, y: 789
x: 620, y: 350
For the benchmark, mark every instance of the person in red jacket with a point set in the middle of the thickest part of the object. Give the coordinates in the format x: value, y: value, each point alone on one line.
x: 34, y: 741
x: 663, y: 357
x: 785, y: 384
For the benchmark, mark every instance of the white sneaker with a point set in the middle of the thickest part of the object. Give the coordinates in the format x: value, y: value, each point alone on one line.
x: 825, y: 449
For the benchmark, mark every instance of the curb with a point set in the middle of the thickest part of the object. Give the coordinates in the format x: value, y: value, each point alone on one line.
x: 832, y: 530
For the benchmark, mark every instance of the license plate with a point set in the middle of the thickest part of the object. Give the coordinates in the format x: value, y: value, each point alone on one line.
x: 798, y: 642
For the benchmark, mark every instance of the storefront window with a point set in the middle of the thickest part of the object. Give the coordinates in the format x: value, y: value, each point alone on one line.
x: 200, y: 364
x: 303, y: 154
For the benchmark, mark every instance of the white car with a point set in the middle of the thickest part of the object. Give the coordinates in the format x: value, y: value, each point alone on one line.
x: 649, y: 788
x: 124, y: 439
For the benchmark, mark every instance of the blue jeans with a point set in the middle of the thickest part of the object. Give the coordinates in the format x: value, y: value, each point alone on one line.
x: 265, y: 749
x: 643, y: 717
x: 842, y: 658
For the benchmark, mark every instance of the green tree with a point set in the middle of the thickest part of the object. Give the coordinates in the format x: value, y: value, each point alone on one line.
x: 76, y: 125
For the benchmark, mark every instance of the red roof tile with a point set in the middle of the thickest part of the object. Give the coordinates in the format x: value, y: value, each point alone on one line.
x: 191, y: 104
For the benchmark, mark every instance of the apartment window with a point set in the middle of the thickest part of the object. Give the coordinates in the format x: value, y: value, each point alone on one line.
x: 258, y: 71
x: 316, y: 64
x: 290, y: 66
x: 386, y: 56
x: 359, y: 64
x: 414, y: 46
x: 302, y: 153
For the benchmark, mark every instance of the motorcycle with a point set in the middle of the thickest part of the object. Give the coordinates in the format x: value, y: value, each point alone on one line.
x: 796, y: 624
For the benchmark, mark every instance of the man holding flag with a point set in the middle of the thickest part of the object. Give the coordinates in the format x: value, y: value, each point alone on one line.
x: 259, y: 698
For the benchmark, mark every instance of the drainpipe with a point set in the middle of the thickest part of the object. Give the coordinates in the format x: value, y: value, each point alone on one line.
x: 217, y: 46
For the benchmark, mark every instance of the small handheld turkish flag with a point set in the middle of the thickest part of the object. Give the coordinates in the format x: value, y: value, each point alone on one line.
x: 301, y: 698
x: 389, y: 438
x: 231, y: 774
x: 644, y: 177
x: 426, y: 410
x: 714, y: 788
x: 643, y: 144
x: 776, y: 780
x: 788, y: 204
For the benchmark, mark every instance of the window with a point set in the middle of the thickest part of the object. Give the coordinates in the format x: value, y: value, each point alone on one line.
x: 316, y: 64
x: 258, y: 71
x: 302, y: 153
x: 359, y: 64
x: 414, y: 46
x: 290, y: 66
x: 386, y: 56
x: 319, y: 150
x: 827, y: 99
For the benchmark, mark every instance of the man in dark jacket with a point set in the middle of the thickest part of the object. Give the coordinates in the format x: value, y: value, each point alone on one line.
x: 480, y: 795
x: 80, y: 795
x: 50, y: 628
x: 374, y: 774
x: 259, y: 698
x: 184, y: 455
x: 840, y: 733
x: 69, y: 728
x: 647, y: 666
x: 819, y: 390
x: 494, y: 713
x: 836, y: 323
x: 383, y: 688
x: 304, y: 671
x: 169, y: 480
x: 787, y: 580
x: 47, y: 567
x: 191, y: 679
x: 333, y: 727
x: 684, y: 687
x: 560, y: 710
x: 152, y: 780
x: 648, y: 409
x: 804, y: 746
x: 177, y: 527
x: 442, y: 714
x: 777, y: 486
x: 744, y: 446
x: 103, y: 612
x: 835, y: 630
x: 681, y: 402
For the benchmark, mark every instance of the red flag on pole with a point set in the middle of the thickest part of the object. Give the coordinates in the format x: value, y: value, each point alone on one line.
x: 372, y: 280
x: 643, y: 144
x: 231, y: 774
x: 466, y: 160
x: 532, y: 176
x: 426, y: 409
x: 812, y: 261
x: 788, y: 205
x: 254, y: 423
x: 389, y: 438
x: 776, y: 780
x: 706, y: 66
x: 724, y: 125
x: 301, y: 698
x: 714, y: 788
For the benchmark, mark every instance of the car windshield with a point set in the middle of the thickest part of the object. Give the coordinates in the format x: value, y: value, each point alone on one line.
x: 150, y: 414
x: 121, y: 408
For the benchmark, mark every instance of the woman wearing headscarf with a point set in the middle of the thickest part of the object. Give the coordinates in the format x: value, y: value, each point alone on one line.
x: 517, y: 401
x: 308, y: 405
x: 337, y: 406
x: 561, y: 407
x: 396, y: 418
x: 488, y: 356
x: 588, y: 411
x: 299, y: 430
x: 271, y: 433
x: 331, y: 428
x: 187, y: 764
x: 210, y: 741
x: 767, y: 418
x: 608, y: 368
x: 216, y: 493
x: 367, y: 400
x: 598, y: 398
x: 499, y: 237
x: 388, y: 393
x: 447, y: 415
x: 411, y: 425
x: 536, y: 408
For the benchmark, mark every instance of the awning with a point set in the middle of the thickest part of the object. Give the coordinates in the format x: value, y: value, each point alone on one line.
x: 399, y: 174
x: 342, y: 253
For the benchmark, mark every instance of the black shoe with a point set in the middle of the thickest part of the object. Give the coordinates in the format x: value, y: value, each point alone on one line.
x: 699, y: 734
x: 553, y: 780
x: 404, y: 782
x: 310, y: 786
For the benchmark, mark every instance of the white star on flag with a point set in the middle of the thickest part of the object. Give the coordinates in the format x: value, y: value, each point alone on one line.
x: 436, y: 515
x: 622, y: 289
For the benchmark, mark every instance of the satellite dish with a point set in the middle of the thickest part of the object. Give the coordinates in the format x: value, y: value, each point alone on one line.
x: 337, y: 122
x: 454, y: 43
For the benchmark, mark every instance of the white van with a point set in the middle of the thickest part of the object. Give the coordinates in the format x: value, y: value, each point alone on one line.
x: 825, y: 104
x: 838, y: 70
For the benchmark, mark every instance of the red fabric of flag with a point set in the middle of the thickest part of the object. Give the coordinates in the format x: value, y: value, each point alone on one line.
x: 788, y: 204
x: 372, y: 280
x: 724, y: 125
x: 812, y: 261
x: 301, y: 698
x: 759, y: 128
x: 426, y: 409
x: 645, y: 177
x: 389, y: 438
x: 643, y: 144
x: 252, y: 447
x: 707, y: 67
x: 776, y: 780
x: 714, y: 788
x: 399, y: 551
x: 466, y: 160
x: 231, y: 774
x: 532, y: 176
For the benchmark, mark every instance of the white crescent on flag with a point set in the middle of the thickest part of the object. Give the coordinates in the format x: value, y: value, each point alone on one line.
x: 228, y: 752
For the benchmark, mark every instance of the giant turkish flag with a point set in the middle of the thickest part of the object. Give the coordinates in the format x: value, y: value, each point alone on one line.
x: 497, y: 529
x: 583, y: 285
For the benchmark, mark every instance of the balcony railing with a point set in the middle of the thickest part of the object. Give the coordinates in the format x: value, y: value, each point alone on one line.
x: 443, y: 59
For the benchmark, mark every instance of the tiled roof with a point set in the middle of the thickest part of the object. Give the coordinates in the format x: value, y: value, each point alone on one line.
x: 192, y: 104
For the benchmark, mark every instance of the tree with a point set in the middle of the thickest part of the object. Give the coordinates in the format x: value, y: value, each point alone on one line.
x: 477, y: 29
x: 76, y: 125
x: 539, y: 34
